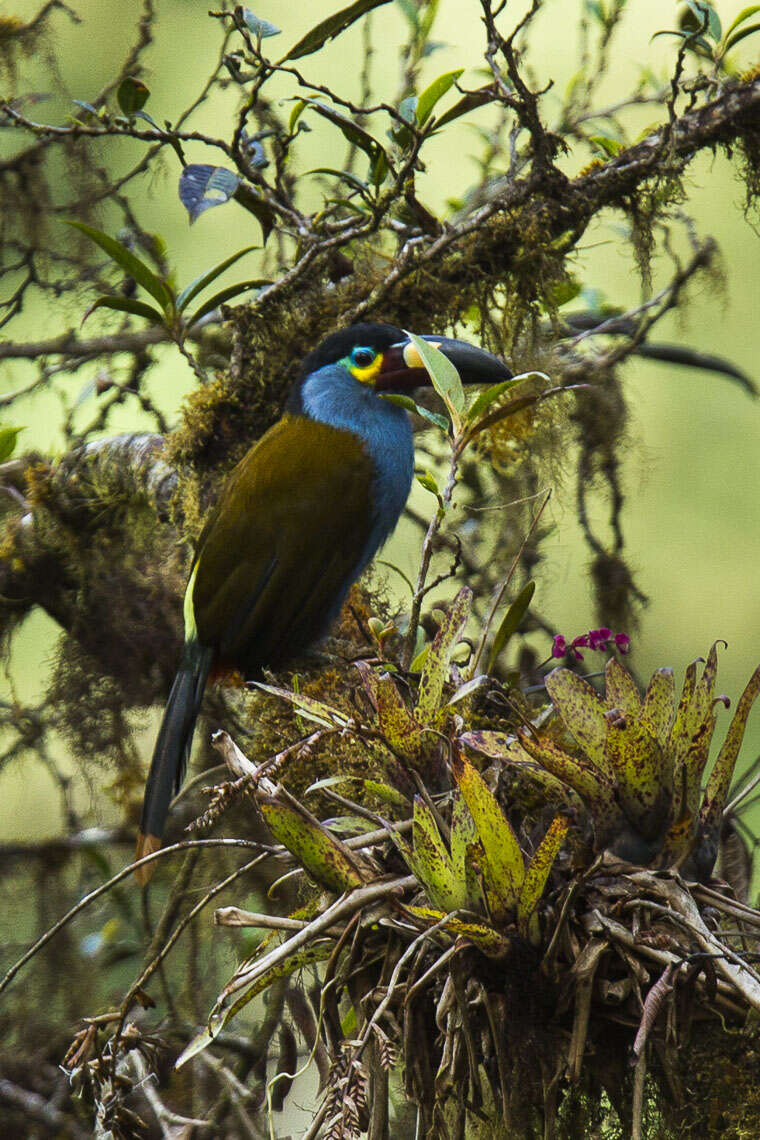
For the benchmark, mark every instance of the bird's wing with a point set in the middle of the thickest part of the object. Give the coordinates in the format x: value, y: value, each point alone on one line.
x: 281, y: 548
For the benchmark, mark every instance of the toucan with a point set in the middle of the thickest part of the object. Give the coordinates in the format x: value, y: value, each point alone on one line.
x: 296, y: 523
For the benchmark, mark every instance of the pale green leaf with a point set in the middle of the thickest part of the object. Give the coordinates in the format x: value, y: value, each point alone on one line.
x: 444, y: 378
x: 437, y: 89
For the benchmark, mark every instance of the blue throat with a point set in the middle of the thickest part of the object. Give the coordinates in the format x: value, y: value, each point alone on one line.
x: 332, y: 396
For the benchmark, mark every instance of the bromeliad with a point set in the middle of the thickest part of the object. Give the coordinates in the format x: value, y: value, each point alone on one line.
x: 297, y: 522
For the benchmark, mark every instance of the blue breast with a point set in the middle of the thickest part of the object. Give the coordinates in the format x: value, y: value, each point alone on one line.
x: 332, y: 396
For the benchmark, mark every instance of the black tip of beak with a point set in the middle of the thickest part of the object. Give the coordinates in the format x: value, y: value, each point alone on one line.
x: 403, y: 371
x: 474, y: 365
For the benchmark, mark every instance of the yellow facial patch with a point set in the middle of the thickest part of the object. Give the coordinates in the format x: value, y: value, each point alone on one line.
x: 366, y: 375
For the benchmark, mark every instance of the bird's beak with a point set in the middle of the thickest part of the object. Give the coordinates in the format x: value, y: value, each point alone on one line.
x: 402, y: 369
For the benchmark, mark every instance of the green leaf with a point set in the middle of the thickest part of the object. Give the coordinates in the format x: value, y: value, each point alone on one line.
x: 147, y: 118
x: 582, y: 711
x: 432, y: 861
x: 312, y: 709
x: 620, y: 689
x: 255, y: 204
x: 402, y: 731
x: 437, y: 89
x: 742, y: 35
x: 698, y: 45
x: 227, y: 295
x: 503, y: 867
x: 745, y: 14
x: 408, y: 403
x: 200, y: 283
x: 510, y: 622
x: 467, y: 103
x: 538, y: 870
x: 487, y: 940
x: 444, y: 378
x: 377, y: 787
x: 642, y: 775
x: 8, y: 439
x: 351, y: 131
x: 385, y: 792
x: 298, y: 109
x: 463, y: 835
x: 435, y: 671
x: 659, y: 708
x: 679, y: 736
x: 609, y: 146
x: 345, y: 175
x: 327, y: 860
x: 701, y: 9
x: 379, y: 169
x: 223, y: 1013
x: 132, y: 95
x: 331, y: 27
x: 427, y: 480
x: 262, y: 29
x: 716, y: 792
x: 132, y: 265
x: 595, y: 789
x: 484, y: 399
x: 127, y: 305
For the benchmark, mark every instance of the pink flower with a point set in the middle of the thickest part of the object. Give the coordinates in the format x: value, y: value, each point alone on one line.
x: 577, y: 642
x: 595, y: 639
x: 623, y: 642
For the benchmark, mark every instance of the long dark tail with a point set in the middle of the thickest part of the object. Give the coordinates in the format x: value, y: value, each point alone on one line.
x: 172, y: 750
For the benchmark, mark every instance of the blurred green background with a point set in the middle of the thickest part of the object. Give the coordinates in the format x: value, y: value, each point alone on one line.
x: 692, y: 465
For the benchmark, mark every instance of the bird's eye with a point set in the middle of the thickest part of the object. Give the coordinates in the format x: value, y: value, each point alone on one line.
x: 362, y: 357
